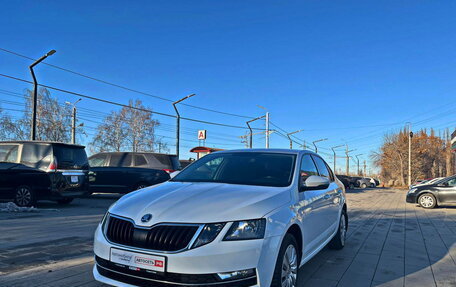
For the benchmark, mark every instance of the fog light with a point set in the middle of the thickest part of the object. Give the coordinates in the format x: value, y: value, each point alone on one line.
x: 236, y: 274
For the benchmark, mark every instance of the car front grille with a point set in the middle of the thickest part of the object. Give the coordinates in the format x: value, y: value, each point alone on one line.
x: 161, y: 237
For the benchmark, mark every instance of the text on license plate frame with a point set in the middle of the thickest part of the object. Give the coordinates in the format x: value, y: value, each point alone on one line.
x: 139, y: 260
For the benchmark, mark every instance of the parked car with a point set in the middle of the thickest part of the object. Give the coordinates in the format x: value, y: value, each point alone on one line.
x: 34, y: 170
x: 232, y: 218
x: 345, y: 180
x: 122, y: 172
x: 361, y: 182
x: 431, y: 195
x: 186, y: 162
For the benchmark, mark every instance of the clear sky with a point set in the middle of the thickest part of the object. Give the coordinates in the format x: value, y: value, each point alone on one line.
x: 348, y: 71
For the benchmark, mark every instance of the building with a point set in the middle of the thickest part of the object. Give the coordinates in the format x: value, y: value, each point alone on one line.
x: 202, y: 151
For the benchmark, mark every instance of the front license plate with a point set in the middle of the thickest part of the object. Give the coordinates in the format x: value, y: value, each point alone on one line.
x: 139, y: 260
x: 74, y: 179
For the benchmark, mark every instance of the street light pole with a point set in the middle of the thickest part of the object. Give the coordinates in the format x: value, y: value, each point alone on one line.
x: 333, y: 149
x: 314, y: 143
x: 291, y: 141
x: 35, y: 94
x: 357, y: 159
x: 347, y: 168
x: 410, y: 135
x: 250, y: 128
x: 73, y: 125
x: 178, y: 122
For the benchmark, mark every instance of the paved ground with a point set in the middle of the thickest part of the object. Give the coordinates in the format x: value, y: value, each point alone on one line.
x: 390, y: 243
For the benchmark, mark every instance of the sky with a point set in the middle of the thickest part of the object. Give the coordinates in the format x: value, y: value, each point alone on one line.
x: 348, y: 71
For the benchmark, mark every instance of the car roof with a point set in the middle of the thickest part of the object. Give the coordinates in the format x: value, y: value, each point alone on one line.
x: 41, y: 142
x: 268, y: 150
x: 132, y: 152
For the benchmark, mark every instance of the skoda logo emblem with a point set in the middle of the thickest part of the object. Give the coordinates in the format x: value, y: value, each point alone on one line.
x: 146, y: 217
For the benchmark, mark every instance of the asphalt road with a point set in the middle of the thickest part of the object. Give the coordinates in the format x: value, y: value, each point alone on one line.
x: 390, y: 243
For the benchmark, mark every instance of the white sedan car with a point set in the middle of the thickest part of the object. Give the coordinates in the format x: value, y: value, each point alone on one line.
x: 233, y: 218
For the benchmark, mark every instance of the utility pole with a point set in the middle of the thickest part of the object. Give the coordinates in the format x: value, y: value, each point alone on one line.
x: 364, y: 168
x: 410, y: 135
x: 73, y: 125
x: 250, y: 128
x: 347, y: 168
x: 289, y: 137
x: 35, y: 94
x: 357, y: 159
x: 178, y: 122
x: 333, y: 149
x: 314, y: 143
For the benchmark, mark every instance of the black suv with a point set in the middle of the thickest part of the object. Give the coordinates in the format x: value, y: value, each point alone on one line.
x: 122, y: 172
x: 34, y: 170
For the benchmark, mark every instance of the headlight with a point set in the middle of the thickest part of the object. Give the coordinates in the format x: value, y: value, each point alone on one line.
x: 246, y: 229
x: 412, y: 190
x: 208, y: 234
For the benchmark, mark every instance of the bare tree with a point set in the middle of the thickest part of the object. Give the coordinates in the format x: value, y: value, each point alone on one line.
x: 132, y: 128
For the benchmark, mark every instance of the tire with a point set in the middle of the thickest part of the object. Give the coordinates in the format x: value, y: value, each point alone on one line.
x: 363, y: 185
x: 427, y: 200
x: 372, y: 185
x: 338, y: 241
x: 24, y: 196
x: 65, y: 200
x: 289, y: 244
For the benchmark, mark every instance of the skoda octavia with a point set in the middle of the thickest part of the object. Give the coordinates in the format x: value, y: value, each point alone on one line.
x: 233, y: 218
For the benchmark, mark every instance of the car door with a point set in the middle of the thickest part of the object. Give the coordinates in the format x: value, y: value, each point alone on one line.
x: 311, y: 205
x: 447, y: 191
x: 99, y: 177
x: 332, y: 195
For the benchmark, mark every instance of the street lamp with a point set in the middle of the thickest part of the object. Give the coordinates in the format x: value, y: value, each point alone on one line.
x: 73, y: 126
x: 267, y: 125
x: 178, y: 122
x: 357, y: 159
x: 333, y: 149
x: 35, y: 92
x: 291, y: 141
x: 250, y: 128
x: 409, y: 135
x: 314, y: 143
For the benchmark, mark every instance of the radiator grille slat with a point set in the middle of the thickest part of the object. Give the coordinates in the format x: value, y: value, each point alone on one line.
x: 161, y: 237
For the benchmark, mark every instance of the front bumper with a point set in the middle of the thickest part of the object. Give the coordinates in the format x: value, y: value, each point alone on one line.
x: 411, y: 198
x: 194, y: 267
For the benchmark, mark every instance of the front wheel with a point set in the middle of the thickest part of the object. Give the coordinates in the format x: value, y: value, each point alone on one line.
x: 427, y: 200
x: 286, y: 269
x: 363, y: 185
x: 338, y: 241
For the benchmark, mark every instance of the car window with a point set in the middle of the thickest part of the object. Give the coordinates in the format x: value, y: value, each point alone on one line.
x: 8, y: 153
x: 159, y: 161
x: 98, y: 160
x: 120, y: 159
x: 70, y: 157
x: 246, y: 168
x: 307, y: 167
x: 36, y: 155
x: 140, y: 160
x: 452, y: 182
x: 321, y: 165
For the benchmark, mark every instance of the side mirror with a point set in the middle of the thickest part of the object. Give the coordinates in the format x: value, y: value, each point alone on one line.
x: 314, y: 182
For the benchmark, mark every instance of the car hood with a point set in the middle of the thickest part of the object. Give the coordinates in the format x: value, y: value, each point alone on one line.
x: 202, y: 202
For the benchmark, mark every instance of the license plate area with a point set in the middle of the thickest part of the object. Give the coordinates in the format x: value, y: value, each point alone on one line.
x: 138, y: 260
x: 74, y: 179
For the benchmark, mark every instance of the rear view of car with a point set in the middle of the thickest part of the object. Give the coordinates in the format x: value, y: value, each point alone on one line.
x: 63, y: 167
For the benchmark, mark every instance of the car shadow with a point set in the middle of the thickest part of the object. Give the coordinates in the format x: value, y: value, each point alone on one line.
x: 421, y: 249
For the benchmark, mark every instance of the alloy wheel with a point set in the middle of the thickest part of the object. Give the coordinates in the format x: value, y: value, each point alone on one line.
x: 426, y: 201
x: 289, y: 267
x: 23, y: 196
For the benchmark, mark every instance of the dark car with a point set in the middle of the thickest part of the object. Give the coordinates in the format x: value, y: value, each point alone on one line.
x: 345, y: 180
x: 431, y: 195
x: 122, y: 172
x: 32, y: 171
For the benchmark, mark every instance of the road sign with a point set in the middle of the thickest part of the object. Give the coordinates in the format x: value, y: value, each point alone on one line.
x: 202, y: 134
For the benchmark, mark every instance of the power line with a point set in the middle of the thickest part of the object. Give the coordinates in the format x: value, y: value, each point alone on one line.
x: 126, y: 106
x: 123, y: 87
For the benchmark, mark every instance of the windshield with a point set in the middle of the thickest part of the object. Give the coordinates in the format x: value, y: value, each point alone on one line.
x: 247, y: 168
